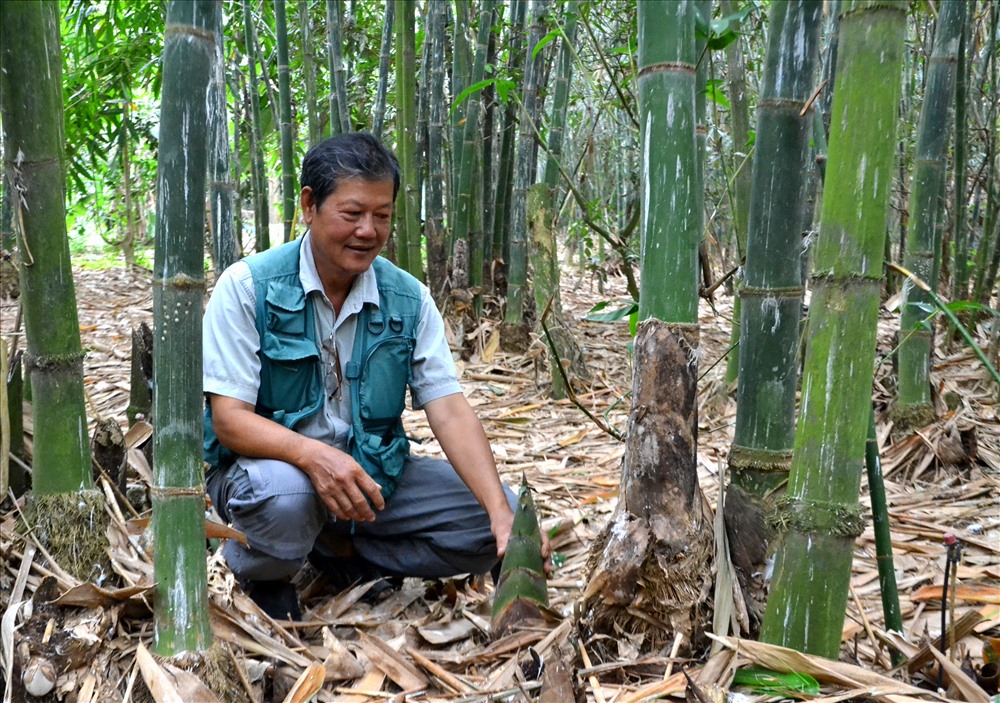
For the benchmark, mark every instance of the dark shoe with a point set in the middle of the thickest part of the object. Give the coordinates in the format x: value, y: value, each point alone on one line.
x: 344, y: 572
x: 276, y: 598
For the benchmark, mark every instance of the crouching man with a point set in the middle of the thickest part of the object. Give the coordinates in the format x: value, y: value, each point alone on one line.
x: 308, y: 351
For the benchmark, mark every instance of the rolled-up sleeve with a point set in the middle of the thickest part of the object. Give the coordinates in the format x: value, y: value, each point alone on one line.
x: 230, y: 340
x: 433, y: 374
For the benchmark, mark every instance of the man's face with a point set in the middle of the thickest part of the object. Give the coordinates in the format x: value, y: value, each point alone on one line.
x: 350, y: 228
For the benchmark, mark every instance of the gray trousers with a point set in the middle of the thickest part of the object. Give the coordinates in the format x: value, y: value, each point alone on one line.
x: 432, y: 526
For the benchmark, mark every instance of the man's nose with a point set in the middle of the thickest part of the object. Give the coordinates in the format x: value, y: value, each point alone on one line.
x: 366, y: 225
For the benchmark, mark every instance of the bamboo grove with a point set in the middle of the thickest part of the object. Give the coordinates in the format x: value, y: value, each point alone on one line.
x: 669, y: 143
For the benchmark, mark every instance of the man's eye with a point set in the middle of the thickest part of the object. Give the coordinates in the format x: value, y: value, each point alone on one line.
x: 351, y: 213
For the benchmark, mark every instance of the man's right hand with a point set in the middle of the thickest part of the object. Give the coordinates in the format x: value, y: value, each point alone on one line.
x: 339, y: 480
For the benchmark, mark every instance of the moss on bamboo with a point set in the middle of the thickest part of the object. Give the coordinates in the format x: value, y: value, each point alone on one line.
x: 73, y: 528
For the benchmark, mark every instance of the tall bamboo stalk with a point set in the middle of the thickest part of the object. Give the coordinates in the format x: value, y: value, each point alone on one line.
x: 517, y: 275
x: 771, y: 292
x: 315, y: 124
x: 289, y: 195
x: 181, y: 610
x: 461, y: 68
x: 821, y: 517
x: 437, y: 253
x: 739, y: 190
x: 408, y: 251
x: 340, y: 112
x: 652, y: 561
x: 258, y: 178
x: 560, y: 103
x: 469, y: 214
x: 928, y: 218
x: 960, y: 238
x: 384, y: 62
x: 508, y: 138
x: 31, y: 102
x: 222, y: 187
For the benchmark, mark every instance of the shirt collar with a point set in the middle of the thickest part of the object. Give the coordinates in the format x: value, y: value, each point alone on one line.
x: 364, y: 290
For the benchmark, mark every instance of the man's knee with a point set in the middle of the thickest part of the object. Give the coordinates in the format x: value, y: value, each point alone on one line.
x: 275, y: 506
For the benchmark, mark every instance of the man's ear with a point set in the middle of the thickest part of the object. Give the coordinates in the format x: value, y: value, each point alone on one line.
x: 307, y: 203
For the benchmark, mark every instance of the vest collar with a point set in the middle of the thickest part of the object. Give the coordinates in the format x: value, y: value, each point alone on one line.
x: 364, y: 290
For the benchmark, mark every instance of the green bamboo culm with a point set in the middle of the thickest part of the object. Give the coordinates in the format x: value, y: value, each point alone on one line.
x: 178, y: 491
x: 222, y: 191
x: 739, y: 190
x: 521, y: 589
x: 517, y: 276
x: 820, y: 517
x: 883, y: 539
x: 288, y: 191
x: 258, y: 175
x: 671, y: 232
x: 384, y: 61
x: 313, y: 121
x: 508, y: 138
x: 469, y: 215
x: 437, y: 251
x: 960, y: 236
x: 772, y: 288
x: 34, y: 159
x: 408, y: 249
x: 928, y: 219
x: 340, y: 113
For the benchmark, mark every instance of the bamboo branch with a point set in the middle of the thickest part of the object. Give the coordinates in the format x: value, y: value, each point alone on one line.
x: 951, y: 317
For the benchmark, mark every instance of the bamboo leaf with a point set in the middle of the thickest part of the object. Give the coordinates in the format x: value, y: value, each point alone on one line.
x: 503, y: 87
x: 595, y: 314
x: 543, y: 42
x: 766, y: 681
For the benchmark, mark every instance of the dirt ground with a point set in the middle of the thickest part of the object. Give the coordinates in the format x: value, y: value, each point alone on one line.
x: 429, y: 641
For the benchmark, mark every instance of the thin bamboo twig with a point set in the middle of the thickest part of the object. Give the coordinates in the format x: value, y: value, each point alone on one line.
x: 951, y: 317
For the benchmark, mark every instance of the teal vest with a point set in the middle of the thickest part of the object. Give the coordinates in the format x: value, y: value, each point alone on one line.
x: 291, y: 375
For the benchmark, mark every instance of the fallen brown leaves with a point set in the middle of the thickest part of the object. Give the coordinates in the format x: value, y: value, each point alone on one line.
x: 430, y: 641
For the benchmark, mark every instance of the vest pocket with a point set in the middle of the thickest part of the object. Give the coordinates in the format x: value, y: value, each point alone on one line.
x: 292, y: 372
x: 383, y: 380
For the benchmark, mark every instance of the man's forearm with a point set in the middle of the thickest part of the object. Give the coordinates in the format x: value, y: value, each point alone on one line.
x: 464, y: 442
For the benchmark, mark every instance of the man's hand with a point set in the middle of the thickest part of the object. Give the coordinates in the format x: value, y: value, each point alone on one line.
x: 339, y: 480
x: 501, y: 527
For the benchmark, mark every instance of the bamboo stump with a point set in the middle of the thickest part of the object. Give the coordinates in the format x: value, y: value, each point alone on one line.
x: 650, y: 574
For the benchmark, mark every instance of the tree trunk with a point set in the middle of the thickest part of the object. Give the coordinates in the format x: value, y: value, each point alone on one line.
x: 928, y: 217
x: 181, y: 610
x: 771, y: 292
x: 820, y: 515
x: 651, y: 564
